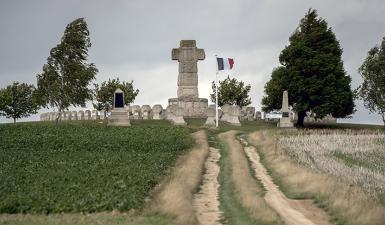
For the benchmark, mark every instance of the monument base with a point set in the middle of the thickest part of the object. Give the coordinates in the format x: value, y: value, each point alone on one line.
x: 192, y: 107
x: 119, y: 117
x: 285, y: 122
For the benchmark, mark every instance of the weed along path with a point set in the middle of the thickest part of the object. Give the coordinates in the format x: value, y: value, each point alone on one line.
x: 205, y: 202
x: 292, y: 212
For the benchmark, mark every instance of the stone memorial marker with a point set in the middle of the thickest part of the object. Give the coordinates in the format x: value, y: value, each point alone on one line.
x: 81, y: 115
x: 210, y: 121
x: 119, y: 114
x: 146, y: 112
x: 157, y: 112
x: 95, y: 115
x: 87, y: 115
x: 285, y: 120
x: 188, y: 98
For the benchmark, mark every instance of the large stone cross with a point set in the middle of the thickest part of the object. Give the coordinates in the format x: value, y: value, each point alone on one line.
x: 188, y: 55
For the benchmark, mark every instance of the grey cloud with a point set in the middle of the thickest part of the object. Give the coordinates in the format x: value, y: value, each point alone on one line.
x: 133, y: 39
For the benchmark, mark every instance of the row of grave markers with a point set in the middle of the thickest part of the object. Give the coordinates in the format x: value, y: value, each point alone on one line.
x: 229, y: 114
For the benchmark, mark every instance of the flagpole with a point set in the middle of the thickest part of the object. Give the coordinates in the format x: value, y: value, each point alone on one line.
x: 216, y: 95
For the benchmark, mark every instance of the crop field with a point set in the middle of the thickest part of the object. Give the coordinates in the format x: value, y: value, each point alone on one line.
x: 83, y: 167
x: 355, y: 156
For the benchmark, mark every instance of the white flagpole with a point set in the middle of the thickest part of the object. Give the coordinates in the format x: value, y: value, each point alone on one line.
x: 216, y: 94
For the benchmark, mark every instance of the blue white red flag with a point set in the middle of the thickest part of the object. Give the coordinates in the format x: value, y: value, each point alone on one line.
x: 225, y: 63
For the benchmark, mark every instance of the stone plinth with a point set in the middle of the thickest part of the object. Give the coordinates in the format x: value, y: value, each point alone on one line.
x: 188, y: 97
x: 192, y: 107
x: 118, y: 117
x: 174, y: 114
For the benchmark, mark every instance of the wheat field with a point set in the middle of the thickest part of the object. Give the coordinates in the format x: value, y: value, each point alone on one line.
x: 355, y: 156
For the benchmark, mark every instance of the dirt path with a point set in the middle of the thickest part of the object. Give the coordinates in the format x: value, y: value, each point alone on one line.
x: 292, y: 212
x: 205, y: 202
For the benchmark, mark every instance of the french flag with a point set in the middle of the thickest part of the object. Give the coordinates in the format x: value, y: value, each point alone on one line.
x: 225, y: 63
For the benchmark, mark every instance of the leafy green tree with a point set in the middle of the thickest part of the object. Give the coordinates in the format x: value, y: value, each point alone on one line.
x: 232, y: 92
x: 17, y: 101
x: 372, y: 90
x: 66, y: 76
x: 312, y: 72
x: 104, y: 93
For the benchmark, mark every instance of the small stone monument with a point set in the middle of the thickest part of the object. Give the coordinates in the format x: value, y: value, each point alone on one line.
x: 135, y: 110
x: 210, y: 121
x: 95, y: 115
x: 87, y: 115
x: 118, y: 115
x: 188, y: 99
x: 157, y: 112
x: 146, y: 112
x: 81, y: 115
x: 231, y: 114
x: 285, y: 120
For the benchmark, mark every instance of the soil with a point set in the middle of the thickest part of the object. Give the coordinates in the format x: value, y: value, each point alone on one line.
x: 205, y: 202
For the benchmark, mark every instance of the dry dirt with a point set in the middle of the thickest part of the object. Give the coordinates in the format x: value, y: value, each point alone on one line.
x: 174, y: 196
x: 205, y: 202
x: 292, y: 212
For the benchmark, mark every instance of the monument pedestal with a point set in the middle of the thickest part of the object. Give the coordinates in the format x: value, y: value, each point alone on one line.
x: 285, y: 122
x: 119, y: 117
x: 192, y: 107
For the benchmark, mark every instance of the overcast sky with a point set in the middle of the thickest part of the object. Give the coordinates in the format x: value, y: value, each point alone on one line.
x: 133, y: 39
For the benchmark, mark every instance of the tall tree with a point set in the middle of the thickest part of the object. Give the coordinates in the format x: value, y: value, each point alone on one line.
x: 372, y: 90
x: 104, y: 93
x: 312, y: 72
x: 17, y: 101
x: 66, y: 76
x: 232, y: 92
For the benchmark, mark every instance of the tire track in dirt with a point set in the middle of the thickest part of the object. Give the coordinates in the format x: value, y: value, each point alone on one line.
x: 292, y: 212
x: 205, y: 202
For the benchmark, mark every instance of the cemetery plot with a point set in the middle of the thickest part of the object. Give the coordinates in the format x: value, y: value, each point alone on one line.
x: 83, y: 167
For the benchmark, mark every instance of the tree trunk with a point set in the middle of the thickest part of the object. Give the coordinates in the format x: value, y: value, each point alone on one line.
x: 57, y: 118
x: 383, y: 118
x: 14, y: 120
x: 301, y: 118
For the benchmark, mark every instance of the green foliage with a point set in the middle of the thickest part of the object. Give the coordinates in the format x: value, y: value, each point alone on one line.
x: 66, y: 75
x: 104, y: 94
x: 83, y: 167
x: 312, y: 71
x: 17, y: 101
x: 372, y: 90
x: 232, y: 92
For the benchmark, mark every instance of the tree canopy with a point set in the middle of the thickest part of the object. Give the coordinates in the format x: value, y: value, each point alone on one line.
x: 66, y: 76
x: 232, y: 92
x: 372, y: 90
x: 312, y: 72
x: 104, y: 93
x: 17, y: 101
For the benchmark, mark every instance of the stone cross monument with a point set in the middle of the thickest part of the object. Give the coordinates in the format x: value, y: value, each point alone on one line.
x: 188, y: 98
x: 285, y: 120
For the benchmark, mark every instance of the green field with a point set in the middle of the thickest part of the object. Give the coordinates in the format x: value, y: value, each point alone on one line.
x: 83, y: 167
